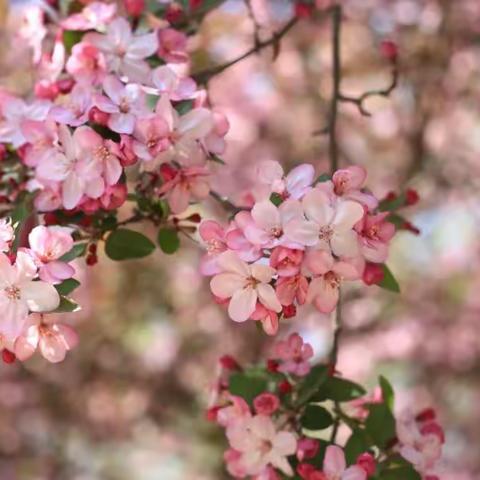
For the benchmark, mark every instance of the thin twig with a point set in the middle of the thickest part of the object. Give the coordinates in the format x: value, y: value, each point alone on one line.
x: 359, y: 101
x: 203, y: 76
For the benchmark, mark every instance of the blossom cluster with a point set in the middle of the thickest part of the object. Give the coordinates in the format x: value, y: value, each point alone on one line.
x: 30, y: 280
x: 274, y: 416
x: 302, y: 238
x: 115, y: 98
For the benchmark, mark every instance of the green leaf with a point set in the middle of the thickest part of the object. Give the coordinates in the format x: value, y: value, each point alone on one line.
x: 77, y: 251
x: 380, y: 424
x: 276, y: 199
x: 105, y: 132
x: 400, y: 473
x: 324, y: 177
x: 67, y: 306
x: 392, y: 205
x: 388, y: 394
x: 184, y: 107
x: 312, y: 383
x: 389, y: 282
x: 356, y: 444
x: 397, y: 220
x: 339, y: 390
x: 316, y: 417
x: 123, y: 244
x: 216, y: 158
x: 168, y: 240
x: 71, y: 38
x: 247, y: 385
x: 67, y: 286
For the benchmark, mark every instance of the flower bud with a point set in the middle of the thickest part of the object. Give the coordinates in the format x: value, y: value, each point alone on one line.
x: 134, y: 7
x: 389, y: 50
x: 367, y: 462
x: 373, y: 274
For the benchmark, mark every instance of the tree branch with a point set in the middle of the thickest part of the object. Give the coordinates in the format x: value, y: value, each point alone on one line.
x: 205, y: 75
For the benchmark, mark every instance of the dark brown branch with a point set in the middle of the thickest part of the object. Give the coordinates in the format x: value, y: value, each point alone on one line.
x: 359, y: 101
x: 205, y: 75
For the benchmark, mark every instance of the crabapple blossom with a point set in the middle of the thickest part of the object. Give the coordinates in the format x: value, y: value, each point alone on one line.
x: 6, y: 234
x: 47, y: 246
x: 172, y: 45
x: 94, y: 16
x: 335, y: 467
x: 87, y: 64
x: 375, y: 233
x: 21, y: 293
x: 74, y: 111
x: 294, y: 355
x: 53, y: 340
x: 41, y: 138
x: 125, y: 52
x: 244, y: 285
x: 260, y: 445
x: 348, y: 183
x: 166, y: 81
x: 266, y: 404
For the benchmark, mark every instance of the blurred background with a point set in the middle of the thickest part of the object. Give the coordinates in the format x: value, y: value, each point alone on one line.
x: 128, y: 402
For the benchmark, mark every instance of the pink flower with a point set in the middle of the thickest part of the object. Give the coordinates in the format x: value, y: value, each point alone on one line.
x: 269, y: 223
x: 335, y: 466
x: 6, y: 234
x: 293, y: 288
x: 294, y: 354
x: 261, y: 445
x: 93, y: 16
x: 183, y: 184
x: 244, y: 284
x: 96, y: 150
x: 172, y: 45
x: 54, y: 340
x: 166, y: 81
x: 79, y: 176
x: 266, y: 404
x: 213, y: 234
x: 19, y: 294
x: 14, y: 112
x: 307, y: 448
x: 323, y: 291
x: 420, y: 442
x: 327, y: 226
x: 40, y: 138
x: 86, y: 64
x: 286, y: 261
x: 114, y: 196
x: 215, y: 141
x: 375, y: 233
x: 125, y: 52
x: 348, y: 182
x: 74, y: 111
x: 268, y: 319
x: 184, y: 132
x: 367, y: 462
x: 47, y: 245
x: 125, y: 103
x: 236, y: 411
x: 295, y: 184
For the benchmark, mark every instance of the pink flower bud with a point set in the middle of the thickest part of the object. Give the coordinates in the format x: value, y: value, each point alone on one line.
x: 229, y: 363
x: 367, y: 462
x: 303, y: 9
x: 134, y: 7
x: 373, y: 274
x: 411, y: 197
x: 65, y: 85
x: 307, y: 448
x: 266, y: 403
x: 389, y: 50
x: 46, y: 90
x: 95, y: 115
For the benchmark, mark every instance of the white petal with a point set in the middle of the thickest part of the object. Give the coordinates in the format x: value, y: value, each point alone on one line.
x: 40, y: 296
x: 242, y: 304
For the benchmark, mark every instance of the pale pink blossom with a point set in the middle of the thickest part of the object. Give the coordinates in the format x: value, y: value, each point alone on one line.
x: 6, y: 234
x: 125, y: 52
x: 79, y: 176
x: 237, y: 410
x: 95, y: 149
x: 124, y: 103
x: 327, y: 226
x: 53, y: 340
x: 167, y: 81
x: 47, y: 245
x: 151, y: 138
x: 86, y: 64
x: 172, y: 45
x: 214, y: 237
x: 268, y: 319
x: 94, y: 16
x: 20, y: 294
x: 335, y: 466
x: 295, y: 184
x: 261, y: 445
x: 244, y: 284
x: 74, y: 109
x: 49, y: 194
x: 348, y: 183
x: 41, y: 138
x: 286, y: 261
x: 14, y: 112
x: 183, y: 185
x: 329, y: 273
x: 215, y: 141
x: 293, y: 288
x: 269, y: 223
x: 374, y: 235
x: 294, y: 355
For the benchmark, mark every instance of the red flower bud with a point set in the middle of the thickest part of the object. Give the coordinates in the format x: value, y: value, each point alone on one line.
x: 174, y: 13
x: 91, y: 260
x: 284, y: 387
x: 367, y: 462
x: 389, y: 50
x: 411, y: 197
x: 303, y: 9
x: 8, y: 356
x: 289, y: 311
x: 229, y: 363
x: 211, y: 414
x: 272, y: 365
x: 373, y: 274
x: 426, y: 415
x: 65, y: 85
x: 134, y: 7
x: 95, y: 115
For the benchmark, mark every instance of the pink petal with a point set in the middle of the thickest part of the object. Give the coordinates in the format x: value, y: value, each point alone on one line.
x: 266, y: 215
x: 317, y: 207
x: 230, y: 262
x: 40, y: 296
x: 322, y: 295
x: 334, y: 463
x: 354, y: 473
x: 348, y: 213
x: 224, y: 285
x: 299, y: 179
x: 242, y: 304
x: 267, y: 297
